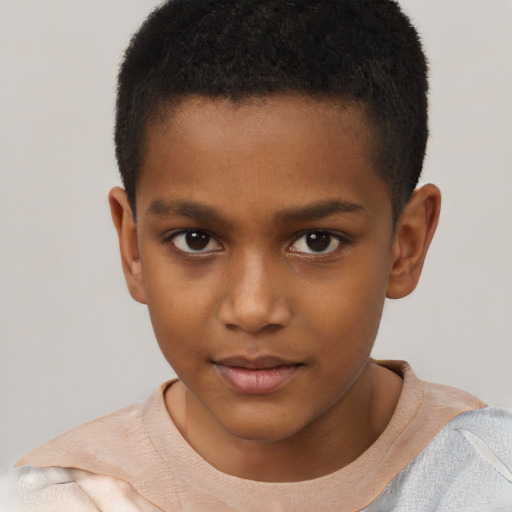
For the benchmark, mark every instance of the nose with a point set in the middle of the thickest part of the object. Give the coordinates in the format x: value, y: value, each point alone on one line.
x: 255, y: 296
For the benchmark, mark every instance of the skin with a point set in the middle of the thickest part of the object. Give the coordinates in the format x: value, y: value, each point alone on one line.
x: 255, y: 178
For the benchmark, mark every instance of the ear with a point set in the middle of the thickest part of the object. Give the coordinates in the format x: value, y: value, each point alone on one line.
x: 413, y: 233
x: 126, y: 228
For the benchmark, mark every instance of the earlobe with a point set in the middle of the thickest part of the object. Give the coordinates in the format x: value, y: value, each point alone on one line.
x: 126, y: 228
x: 414, y: 231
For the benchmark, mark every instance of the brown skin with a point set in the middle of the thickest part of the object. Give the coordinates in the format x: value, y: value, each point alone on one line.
x: 257, y: 288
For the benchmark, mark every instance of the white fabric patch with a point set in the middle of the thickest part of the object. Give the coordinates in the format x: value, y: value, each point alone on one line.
x: 487, y: 454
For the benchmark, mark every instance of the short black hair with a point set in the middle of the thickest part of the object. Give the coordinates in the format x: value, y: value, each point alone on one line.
x: 365, y: 51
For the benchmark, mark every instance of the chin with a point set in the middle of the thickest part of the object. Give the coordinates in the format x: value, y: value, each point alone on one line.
x: 265, y: 427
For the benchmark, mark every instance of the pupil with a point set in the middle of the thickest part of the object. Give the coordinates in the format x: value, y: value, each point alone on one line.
x: 197, y: 240
x: 318, y: 241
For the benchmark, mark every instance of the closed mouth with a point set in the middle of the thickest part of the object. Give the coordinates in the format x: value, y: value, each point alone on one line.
x: 258, y: 376
x: 260, y: 363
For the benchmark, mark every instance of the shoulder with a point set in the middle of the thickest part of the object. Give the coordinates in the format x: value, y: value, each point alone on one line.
x: 67, y: 490
x: 101, y: 441
x: 467, y: 466
x: 487, y: 434
x: 480, y: 438
x: 499, y: 418
x: 137, y: 446
x: 118, y: 445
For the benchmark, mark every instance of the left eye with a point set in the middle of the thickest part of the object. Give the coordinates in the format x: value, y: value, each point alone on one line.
x: 316, y: 242
x: 195, y: 241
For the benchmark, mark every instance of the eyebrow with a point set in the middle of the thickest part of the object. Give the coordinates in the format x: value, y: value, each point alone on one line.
x: 201, y: 212
x: 197, y: 211
x: 319, y: 210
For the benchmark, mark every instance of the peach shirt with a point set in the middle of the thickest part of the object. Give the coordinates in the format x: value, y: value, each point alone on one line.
x: 140, y: 445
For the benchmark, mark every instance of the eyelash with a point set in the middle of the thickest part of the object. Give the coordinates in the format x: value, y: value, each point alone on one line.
x: 341, y: 240
x: 171, y: 237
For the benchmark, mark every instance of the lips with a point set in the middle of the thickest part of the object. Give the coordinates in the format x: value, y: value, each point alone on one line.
x: 256, y: 376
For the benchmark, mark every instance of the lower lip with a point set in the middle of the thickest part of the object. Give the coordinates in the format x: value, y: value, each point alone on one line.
x: 257, y: 382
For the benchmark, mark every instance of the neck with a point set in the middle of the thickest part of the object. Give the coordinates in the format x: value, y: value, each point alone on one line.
x: 330, y: 442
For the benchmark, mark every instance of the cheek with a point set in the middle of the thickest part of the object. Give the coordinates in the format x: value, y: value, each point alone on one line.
x: 179, y: 309
x: 178, y: 331
x: 174, y: 290
x: 347, y: 308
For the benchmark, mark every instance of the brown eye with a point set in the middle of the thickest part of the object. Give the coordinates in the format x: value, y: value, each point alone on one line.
x: 316, y: 242
x: 195, y: 241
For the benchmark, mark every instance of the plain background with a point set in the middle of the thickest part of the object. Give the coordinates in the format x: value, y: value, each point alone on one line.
x: 73, y: 343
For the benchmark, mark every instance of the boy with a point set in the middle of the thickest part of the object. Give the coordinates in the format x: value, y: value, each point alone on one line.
x: 269, y: 152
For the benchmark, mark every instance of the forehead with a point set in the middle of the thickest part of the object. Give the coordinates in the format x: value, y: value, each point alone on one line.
x: 285, y: 148
x: 196, y: 116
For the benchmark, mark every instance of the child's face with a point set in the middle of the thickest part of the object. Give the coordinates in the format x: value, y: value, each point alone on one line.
x: 265, y: 244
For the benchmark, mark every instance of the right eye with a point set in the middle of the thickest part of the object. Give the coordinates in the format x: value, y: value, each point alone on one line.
x: 194, y: 241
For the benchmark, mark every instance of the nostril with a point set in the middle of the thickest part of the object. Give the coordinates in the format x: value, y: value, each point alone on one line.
x: 266, y: 329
